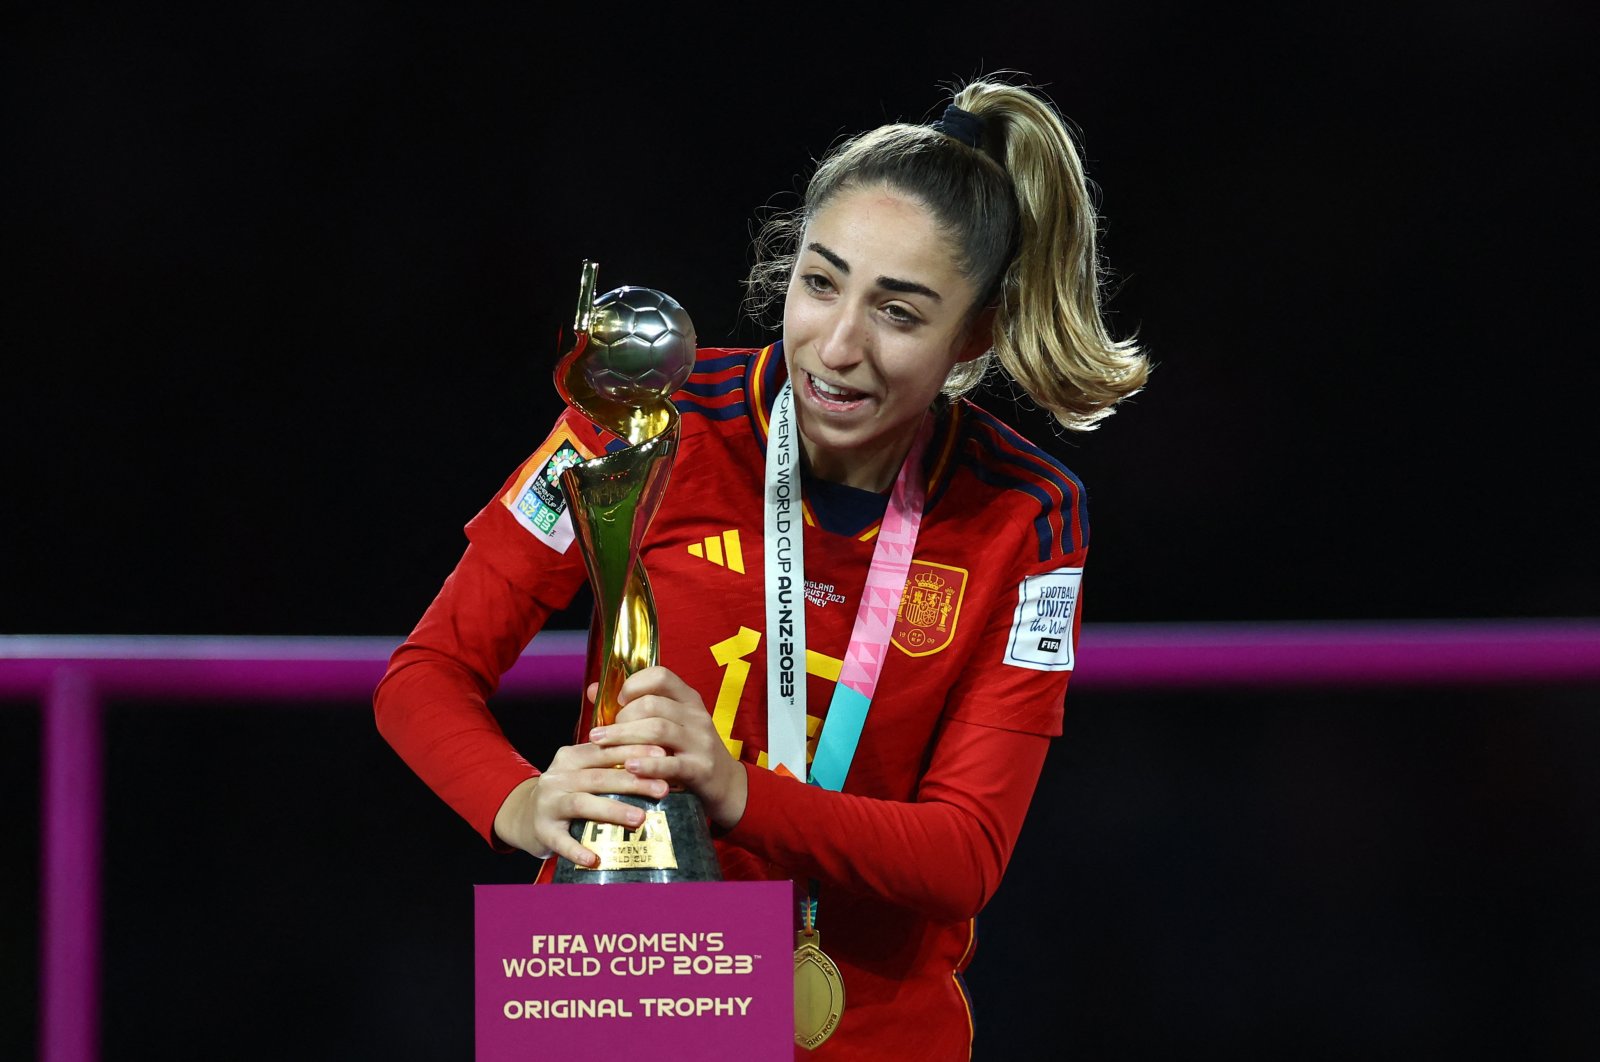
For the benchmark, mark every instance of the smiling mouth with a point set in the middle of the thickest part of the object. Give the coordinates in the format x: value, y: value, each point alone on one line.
x: 830, y: 394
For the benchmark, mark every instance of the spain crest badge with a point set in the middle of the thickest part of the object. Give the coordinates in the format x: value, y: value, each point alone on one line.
x: 929, y: 608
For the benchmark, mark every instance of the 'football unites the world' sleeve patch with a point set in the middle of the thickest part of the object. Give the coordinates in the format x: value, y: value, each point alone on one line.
x: 535, y: 497
x: 1041, y: 632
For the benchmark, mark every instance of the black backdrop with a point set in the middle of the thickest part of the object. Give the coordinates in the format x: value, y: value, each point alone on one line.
x: 282, y: 290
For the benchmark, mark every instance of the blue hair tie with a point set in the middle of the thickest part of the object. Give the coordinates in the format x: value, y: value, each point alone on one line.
x: 962, y: 125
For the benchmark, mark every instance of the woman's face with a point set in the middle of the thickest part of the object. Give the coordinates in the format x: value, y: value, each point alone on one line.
x: 876, y: 316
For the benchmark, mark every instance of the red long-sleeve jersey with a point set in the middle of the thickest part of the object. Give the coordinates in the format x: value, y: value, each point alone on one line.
x: 916, y: 842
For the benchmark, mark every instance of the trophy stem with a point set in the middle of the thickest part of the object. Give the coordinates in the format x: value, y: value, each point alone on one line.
x: 613, y: 500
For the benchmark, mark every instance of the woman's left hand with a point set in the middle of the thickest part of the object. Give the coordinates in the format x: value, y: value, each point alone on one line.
x: 659, y: 708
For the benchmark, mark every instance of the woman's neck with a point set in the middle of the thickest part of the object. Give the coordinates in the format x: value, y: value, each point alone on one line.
x: 864, y: 469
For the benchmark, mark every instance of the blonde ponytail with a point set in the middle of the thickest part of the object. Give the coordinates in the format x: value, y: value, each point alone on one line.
x: 1049, y: 333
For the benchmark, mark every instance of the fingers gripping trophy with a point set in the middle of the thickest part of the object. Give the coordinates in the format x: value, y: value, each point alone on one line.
x: 634, y: 347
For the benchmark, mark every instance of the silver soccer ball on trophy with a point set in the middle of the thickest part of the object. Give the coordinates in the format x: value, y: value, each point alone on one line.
x: 641, y: 345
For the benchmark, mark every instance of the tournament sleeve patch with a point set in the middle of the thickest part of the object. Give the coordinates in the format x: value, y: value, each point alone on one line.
x: 535, y: 497
x: 1041, y: 632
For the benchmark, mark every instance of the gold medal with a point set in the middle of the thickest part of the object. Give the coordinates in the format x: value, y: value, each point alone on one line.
x: 818, y: 991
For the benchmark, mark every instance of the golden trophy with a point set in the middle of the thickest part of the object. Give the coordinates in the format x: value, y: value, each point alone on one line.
x: 633, y: 348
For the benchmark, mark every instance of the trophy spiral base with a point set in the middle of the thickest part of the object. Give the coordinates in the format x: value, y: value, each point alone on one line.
x: 673, y: 845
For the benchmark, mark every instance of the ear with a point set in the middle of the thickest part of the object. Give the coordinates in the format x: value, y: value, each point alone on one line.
x: 980, y: 337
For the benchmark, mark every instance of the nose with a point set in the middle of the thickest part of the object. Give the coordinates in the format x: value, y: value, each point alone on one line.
x: 844, y: 340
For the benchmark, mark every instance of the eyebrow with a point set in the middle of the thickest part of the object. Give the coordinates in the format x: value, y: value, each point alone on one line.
x: 904, y: 287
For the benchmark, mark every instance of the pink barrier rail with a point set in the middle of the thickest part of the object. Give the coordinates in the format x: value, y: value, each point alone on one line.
x: 73, y: 676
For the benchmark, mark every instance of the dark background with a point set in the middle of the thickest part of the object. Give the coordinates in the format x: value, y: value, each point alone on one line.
x: 282, y: 288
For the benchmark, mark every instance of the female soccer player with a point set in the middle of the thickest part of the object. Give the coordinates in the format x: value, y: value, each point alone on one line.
x: 921, y: 254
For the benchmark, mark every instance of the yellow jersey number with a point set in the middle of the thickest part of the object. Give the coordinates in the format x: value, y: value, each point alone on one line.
x: 733, y: 657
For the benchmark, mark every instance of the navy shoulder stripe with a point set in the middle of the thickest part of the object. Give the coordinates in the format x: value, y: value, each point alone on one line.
x: 704, y: 387
x: 716, y: 359
x: 1000, y: 456
x: 715, y: 390
x: 729, y: 412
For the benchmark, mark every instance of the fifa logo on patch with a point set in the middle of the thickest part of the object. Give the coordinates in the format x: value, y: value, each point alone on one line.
x: 1041, y: 627
x: 930, y: 605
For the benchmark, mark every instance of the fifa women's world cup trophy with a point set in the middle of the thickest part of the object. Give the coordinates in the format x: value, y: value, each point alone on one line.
x: 634, y: 347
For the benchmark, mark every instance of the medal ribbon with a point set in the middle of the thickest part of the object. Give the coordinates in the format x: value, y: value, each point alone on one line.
x: 784, y: 556
x: 875, y: 615
x: 785, y: 573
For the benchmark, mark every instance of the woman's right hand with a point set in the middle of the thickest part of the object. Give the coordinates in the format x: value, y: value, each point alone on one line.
x: 537, y: 815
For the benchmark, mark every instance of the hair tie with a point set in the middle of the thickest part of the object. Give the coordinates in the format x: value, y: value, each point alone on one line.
x: 961, y: 125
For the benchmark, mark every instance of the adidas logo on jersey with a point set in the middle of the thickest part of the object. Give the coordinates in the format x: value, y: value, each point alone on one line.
x: 721, y: 550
